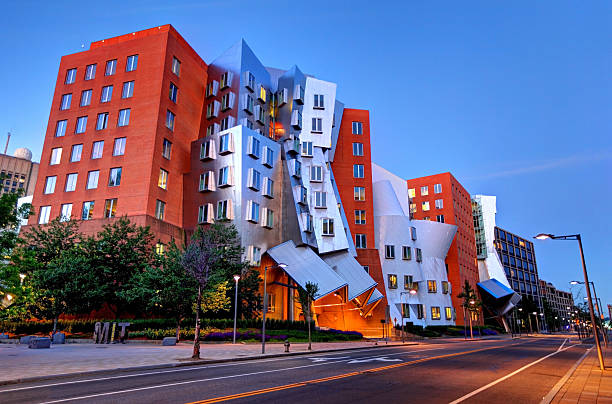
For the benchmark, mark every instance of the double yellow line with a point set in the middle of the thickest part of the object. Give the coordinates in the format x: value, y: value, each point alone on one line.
x: 337, y: 377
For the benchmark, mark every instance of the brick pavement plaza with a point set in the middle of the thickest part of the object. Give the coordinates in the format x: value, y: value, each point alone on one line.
x: 19, y: 362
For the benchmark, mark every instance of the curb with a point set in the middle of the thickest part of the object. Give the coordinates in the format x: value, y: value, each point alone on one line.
x: 185, y: 364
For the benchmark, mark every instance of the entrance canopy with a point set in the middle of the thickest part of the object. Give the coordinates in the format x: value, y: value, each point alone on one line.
x: 497, y: 297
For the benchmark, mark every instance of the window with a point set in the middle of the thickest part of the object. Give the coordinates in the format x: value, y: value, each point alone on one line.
x: 226, y: 144
x: 75, y: 155
x: 114, y: 178
x: 70, y: 76
x: 128, y: 89
x: 160, y: 209
x: 320, y: 199
x: 359, y: 193
x: 262, y: 94
x: 225, y: 176
x: 392, y: 281
x: 226, y: 80
x: 176, y: 66
x: 268, y: 157
x: 90, y: 72
x: 250, y: 81
x: 81, y: 125
x: 405, y: 310
x: 248, y: 103
x: 437, y: 188
x: 358, y: 171
x: 357, y: 149
x: 316, y: 174
x: 56, y: 156
x: 268, y: 218
x: 357, y: 128
x: 170, y: 120
x: 449, y: 313
x: 440, y: 218
x: 439, y: 203
x: 66, y: 212
x: 212, y: 88
x: 124, y: 117
x: 296, y: 119
x: 413, y: 233
x: 50, y: 184
x: 360, y: 216
x: 254, y: 147
x: 419, y: 255
x: 435, y: 313
x: 132, y: 63
x: 160, y: 248
x: 319, y: 101
x: 66, y: 100
x: 86, y: 98
x: 411, y: 193
x: 406, y: 253
x: 425, y: 206
x: 390, y: 252
x: 71, y: 181
x: 92, y: 179
x: 432, y: 287
x: 307, y: 149
x: 409, y: 283
x: 268, y: 187
x: 97, y: 149
x: 110, y: 208
x: 224, y: 210
x: 207, y: 182
x: 252, y: 213
x: 254, y: 179
x: 88, y: 208
x: 420, y: 311
x: 111, y: 67
x: 445, y: 287
x: 227, y: 101
x: 162, y: 181
x: 166, y: 149
x: 119, y: 147
x: 102, y: 121
x: 45, y: 212
x: 173, y: 92
x: 360, y: 241
x: 107, y: 94
x: 317, y: 125
x: 254, y: 258
x: 328, y: 227
x: 424, y: 191
x: 60, y: 128
x: 366, y: 268
x: 205, y: 214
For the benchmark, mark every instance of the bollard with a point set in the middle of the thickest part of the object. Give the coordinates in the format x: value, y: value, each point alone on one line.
x: 287, y: 345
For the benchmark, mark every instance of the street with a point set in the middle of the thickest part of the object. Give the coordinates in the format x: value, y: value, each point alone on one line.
x: 518, y: 371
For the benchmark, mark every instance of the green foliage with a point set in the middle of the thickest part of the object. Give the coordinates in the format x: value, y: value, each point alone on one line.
x: 470, y: 298
x: 249, y: 299
x: 10, y: 218
x: 215, y: 298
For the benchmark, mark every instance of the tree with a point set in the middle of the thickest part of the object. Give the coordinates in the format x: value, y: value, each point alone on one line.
x: 10, y: 219
x: 119, y: 252
x: 249, y: 304
x: 471, y: 303
x: 213, y: 251
x: 215, y: 298
x: 306, y: 296
x: 164, y: 287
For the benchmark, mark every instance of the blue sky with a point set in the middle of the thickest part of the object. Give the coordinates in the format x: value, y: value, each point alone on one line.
x: 514, y: 98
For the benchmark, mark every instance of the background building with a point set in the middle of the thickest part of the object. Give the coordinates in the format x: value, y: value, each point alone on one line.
x: 518, y: 258
x: 443, y: 199
x: 558, y: 300
x: 18, y: 172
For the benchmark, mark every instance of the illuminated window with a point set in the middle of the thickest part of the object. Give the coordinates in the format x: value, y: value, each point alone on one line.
x: 449, y: 313
x: 262, y: 94
x: 87, y: 212
x: 411, y: 193
x: 160, y: 249
x: 413, y: 208
x: 445, y: 287
x: 410, y: 284
x: 392, y: 281
x: 110, y: 208
x: 359, y: 193
x: 435, y: 313
x: 425, y: 206
x: 432, y: 287
x: 226, y: 79
x: 162, y: 181
x: 360, y: 216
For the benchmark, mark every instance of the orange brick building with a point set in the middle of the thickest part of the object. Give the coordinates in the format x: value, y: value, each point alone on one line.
x: 442, y: 198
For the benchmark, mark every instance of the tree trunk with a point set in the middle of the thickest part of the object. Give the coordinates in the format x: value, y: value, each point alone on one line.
x: 178, y: 329
x: 54, y: 326
x: 196, y: 338
x: 471, y: 331
x: 309, y: 319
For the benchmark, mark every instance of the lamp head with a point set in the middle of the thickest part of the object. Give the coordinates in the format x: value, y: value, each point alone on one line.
x: 535, y: 313
x: 236, y: 277
x: 281, y: 265
x: 413, y: 291
x: 543, y: 236
x: 574, y: 283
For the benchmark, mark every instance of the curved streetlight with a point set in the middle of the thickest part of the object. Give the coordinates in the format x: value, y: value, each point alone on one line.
x: 576, y: 237
x: 265, y: 304
x: 236, y: 278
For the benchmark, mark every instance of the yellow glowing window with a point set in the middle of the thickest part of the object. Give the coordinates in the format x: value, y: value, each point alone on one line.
x: 435, y: 313
x: 262, y: 94
x: 432, y: 287
x: 163, y: 179
x: 411, y: 193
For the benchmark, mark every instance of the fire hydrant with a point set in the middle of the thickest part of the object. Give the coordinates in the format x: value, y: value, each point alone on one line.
x: 287, y: 345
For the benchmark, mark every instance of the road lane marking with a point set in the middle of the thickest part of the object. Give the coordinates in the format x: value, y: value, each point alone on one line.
x: 501, y: 379
x: 317, y: 360
x: 553, y: 392
x: 380, y: 359
x: 563, y: 343
x: 341, y: 376
x: 201, y: 367
x: 262, y: 372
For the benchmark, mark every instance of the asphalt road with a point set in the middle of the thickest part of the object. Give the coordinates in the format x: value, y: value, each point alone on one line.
x: 487, y: 371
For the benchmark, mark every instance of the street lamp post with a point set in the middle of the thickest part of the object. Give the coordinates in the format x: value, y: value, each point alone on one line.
x: 412, y: 291
x: 236, y: 278
x: 577, y: 237
x: 598, y: 304
x: 535, y: 314
x: 265, y: 305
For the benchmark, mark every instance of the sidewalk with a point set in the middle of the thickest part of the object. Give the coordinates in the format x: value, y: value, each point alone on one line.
x: 588, y: 384
x: 22, y: 364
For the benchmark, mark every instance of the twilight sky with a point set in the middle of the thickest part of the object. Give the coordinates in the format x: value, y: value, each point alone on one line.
x: 514, y: 98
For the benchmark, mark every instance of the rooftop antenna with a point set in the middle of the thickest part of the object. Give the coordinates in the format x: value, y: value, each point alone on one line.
x: 8, y: 139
